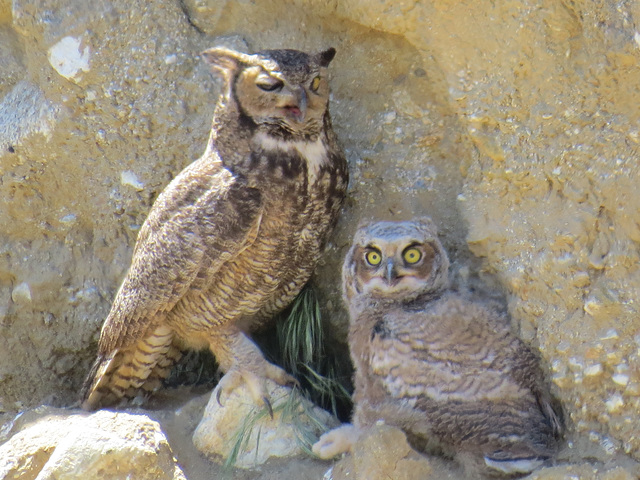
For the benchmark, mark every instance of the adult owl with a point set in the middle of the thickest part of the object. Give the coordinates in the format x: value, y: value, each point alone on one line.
x: 235, y: 236
x: 445, y: 369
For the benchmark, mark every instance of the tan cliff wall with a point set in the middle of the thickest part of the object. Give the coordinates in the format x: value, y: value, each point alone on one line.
x: 515, y: 125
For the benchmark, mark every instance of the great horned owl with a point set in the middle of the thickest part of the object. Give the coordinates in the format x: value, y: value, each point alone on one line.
x: 234, y: 237
x: 428, y: 360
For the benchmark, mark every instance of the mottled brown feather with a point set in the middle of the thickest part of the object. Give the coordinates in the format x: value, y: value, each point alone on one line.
x: 234, y: 237
x: 445, y: 369
x: 203, y: 218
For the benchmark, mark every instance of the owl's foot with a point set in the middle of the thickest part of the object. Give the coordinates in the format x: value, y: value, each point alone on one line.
x: 336, y: 441
x: 254, y: 378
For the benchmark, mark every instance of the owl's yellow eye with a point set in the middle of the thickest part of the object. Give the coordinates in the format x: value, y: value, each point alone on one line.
x: 315, y: 84
x: 373, y: 257
x: 412, y: 255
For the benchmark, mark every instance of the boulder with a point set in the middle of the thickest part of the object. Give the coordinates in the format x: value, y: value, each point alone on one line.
x: 101, y: 446
x: 235, y: 427
x: 382, y: 452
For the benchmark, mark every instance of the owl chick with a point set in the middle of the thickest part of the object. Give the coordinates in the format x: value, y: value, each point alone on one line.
x: 234, y: 237
x: 443, y: 368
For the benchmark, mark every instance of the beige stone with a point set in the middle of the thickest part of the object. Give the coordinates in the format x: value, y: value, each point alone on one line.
x: 382, y: 452
x: 238, y: 422
x: 104, y: 445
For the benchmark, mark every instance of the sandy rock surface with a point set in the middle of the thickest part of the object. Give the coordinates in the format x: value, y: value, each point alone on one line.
x: 104, y: 445
x: 382, y: 452
x: 46, y: 443
x: 515, y: 125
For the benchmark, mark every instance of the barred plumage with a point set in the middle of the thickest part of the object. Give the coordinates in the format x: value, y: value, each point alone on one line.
x: 445, y: 369
x: 234, y: 237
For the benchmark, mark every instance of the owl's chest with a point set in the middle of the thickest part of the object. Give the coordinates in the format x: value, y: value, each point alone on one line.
x: 302, y: 186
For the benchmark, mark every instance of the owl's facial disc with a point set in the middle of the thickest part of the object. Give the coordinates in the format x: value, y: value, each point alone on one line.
x: 388, y: 271
x: 290, y: 101
x: 392, y: 284
x: 282, y: 98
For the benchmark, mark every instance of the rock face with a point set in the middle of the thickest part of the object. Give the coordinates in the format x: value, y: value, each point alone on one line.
x: 99, y: 446
x: 515, y: 125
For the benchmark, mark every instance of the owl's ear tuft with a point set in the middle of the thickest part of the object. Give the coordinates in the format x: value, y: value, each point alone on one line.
x: 324, y: 58
x: 223, y: 59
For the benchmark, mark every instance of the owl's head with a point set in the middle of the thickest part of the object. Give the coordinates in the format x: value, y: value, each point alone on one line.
x: 282, y: 91
x: 395, y: 261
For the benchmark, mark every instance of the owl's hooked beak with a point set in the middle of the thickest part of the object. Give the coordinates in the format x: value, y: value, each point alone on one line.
x: 390, y: 273
x: 297, y: 107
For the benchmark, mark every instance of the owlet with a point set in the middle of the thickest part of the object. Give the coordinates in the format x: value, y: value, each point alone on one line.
x: 445, y: 369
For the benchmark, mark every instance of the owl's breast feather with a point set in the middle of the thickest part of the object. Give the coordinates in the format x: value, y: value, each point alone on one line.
x: 313, y: 153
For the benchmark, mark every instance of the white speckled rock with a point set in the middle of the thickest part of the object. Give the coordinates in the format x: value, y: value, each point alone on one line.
x: 69, y: 58
x: 585, y: 471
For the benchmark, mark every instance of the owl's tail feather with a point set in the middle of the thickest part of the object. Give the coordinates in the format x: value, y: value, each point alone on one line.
x: 514, y: 466
x: 126, y: 373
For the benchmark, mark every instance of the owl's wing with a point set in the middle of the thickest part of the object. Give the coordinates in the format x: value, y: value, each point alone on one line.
x: 474, y: 382
x: 526, y: 372
x: 203, y: 218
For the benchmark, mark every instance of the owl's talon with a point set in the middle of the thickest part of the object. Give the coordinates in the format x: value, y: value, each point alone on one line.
x: 267, y: 403
x: 292, y: 382
x: 254, y: 380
